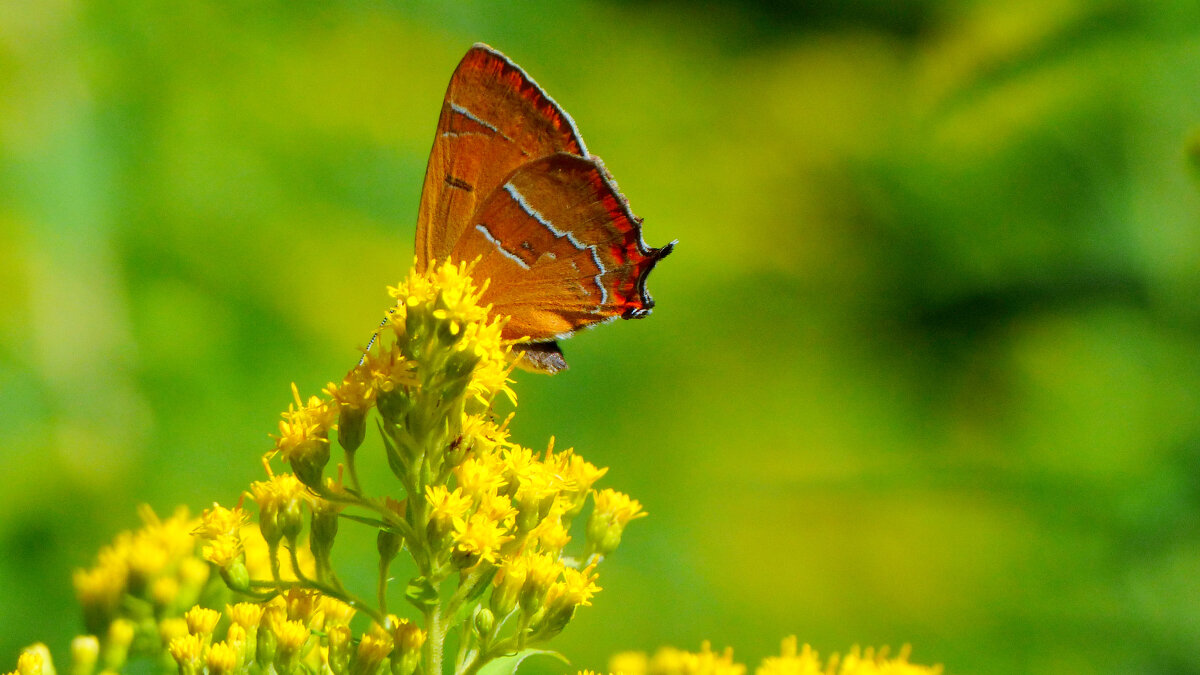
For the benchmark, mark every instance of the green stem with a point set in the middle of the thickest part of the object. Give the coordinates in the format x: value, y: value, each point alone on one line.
x: 436, y: 636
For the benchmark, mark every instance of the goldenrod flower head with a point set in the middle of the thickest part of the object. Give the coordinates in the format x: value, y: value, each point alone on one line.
x: 245, y: 614
x: 551, y: 534
x: 336, y: 612
x: 628, y: 663
x: 496, y: 507
x: 236, y: 635
x: 356, y: 391
x: 388, y: 370
x: 303, y: 438
x: 223, y: 551
x: 618, y: 507
x: 172, y: 627
x: 479, y: 538
x: 578, y: 472
x: 173, y: 535
x: 291, y: 635
x: 446, y: 288
x: 669, y: 661
x: 408, y: 640
x: 35, y: 660
x: 446, y: 505
x: 612, y: 512
x: 536, y: 483
x: 806, y: 661
x: 578, y: 587
x: 219, y: 521
x: 507, y: 584
x: 202, y: 621
x: 482, y: 436
x: 186, y: 651
x: 99, y: 591
x: 164, y: 590
x: 480, y: 475
x: 406, y: 635
x: 372, y: 650
x: 541, y: 571
x: 444, y: 302
x: 302, y: 604
x: 222, y: 657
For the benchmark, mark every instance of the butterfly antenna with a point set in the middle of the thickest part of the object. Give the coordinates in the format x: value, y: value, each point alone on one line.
x: 375, y: 336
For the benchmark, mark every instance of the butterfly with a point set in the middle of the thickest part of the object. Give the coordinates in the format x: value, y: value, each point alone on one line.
x: 511, y: 184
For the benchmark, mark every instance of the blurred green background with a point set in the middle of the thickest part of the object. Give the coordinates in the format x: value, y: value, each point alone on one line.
x: 925, y: 366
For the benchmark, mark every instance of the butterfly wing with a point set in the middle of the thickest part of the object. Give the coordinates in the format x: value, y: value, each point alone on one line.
x: 562, y: 249
x: 494, y: 119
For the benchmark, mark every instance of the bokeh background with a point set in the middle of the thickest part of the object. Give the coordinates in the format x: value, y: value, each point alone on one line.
x: 925, y: 366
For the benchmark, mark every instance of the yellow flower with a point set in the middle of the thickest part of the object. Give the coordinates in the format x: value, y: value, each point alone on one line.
x: 356, y: 391
x: 222, y: 658
x: 33, y: 662
x: 576, y: 588
x: 496, y: 507
x: 856, y: 662
x: 617, y: 507
x: 446, y: 505
x: 480, y: 475
x: 304, y: 429
x: 186, y: 651
x: 550, y: 534
x: 482, y: 435
x: 478, y: 538
x: 628, y: 663
x: 202, y: 620
x: 245, y: 614
x: 607, y: 523
x: 669, y: 661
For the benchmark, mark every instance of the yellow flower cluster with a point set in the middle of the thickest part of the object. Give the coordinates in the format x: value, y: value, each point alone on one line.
x: 791, y: 661
x: 468, y: 502
x: 149, y: 572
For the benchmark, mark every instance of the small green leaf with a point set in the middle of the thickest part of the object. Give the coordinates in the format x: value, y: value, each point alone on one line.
x: 373, y: 522
x: 508, y: 665
x: 421, y: 593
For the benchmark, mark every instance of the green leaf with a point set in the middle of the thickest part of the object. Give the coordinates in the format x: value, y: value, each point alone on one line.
x: 373, y: 522
x: 508, y: 665
x: 422, y: 593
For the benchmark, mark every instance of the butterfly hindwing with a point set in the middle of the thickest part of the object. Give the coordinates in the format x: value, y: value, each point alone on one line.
x: 562, y: 249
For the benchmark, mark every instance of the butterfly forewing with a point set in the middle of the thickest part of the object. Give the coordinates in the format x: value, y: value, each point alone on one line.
x: 494, y: 119
x: 511, y: 185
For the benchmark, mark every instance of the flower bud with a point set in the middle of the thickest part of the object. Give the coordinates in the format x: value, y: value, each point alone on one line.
x: 324, y: 530
x: 85, y: 651
x: 340, y: 650
x: 236, y: 576
x: 308, y: 461
x: 352, y: 428
x: 116, y: 648
x: 485, y: 622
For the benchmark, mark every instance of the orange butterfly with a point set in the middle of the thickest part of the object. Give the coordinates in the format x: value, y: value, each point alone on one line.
x: 510, y: 182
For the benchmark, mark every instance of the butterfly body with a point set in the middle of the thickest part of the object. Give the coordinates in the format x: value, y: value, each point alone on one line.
x: 510, y: 184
